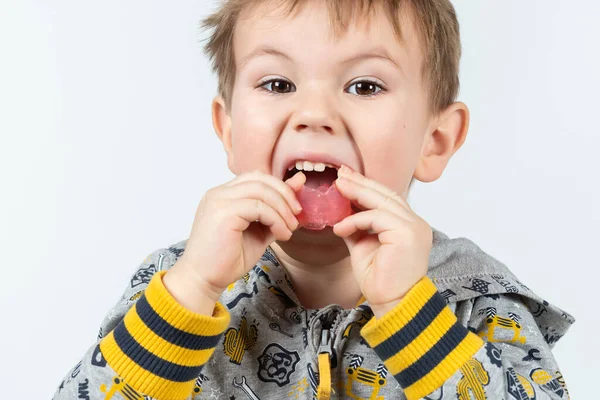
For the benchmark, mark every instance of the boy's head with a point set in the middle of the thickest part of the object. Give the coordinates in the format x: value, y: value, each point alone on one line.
x: 371, y: 84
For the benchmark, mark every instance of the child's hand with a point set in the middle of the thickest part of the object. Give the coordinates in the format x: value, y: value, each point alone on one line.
x: 389, y: 244
x: 233, y: 226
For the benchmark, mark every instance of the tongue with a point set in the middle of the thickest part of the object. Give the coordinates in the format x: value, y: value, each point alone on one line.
x: 322, y: 204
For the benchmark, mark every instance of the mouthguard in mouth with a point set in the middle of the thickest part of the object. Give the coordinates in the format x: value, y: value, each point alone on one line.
x: 321, y: 207
x: 322, y: 204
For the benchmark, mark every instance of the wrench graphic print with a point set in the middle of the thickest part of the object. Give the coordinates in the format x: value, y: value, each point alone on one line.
x: 244, y: 386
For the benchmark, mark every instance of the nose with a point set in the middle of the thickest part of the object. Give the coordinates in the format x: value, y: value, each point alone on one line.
x: 316, y: 111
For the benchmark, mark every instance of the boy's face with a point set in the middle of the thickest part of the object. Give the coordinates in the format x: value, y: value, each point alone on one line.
x: 319, y: 105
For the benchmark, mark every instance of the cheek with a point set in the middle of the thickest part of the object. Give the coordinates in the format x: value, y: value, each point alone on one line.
x: 390, y: 156
x: 253, y: 138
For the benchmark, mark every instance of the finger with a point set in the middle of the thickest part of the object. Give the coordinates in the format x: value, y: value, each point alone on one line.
x: 376, y: 221
x: 354, y: 238
x: 370, y: 198
x: 277, y: 184
x: 255, y: 210
x: 348, y: 173
x: 297, y: 181
x: 261, y: 191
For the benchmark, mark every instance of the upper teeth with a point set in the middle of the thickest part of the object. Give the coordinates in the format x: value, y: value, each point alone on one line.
x: 310, y: 166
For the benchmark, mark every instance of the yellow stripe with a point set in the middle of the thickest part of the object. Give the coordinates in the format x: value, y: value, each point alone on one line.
x: 180, y: 317
x: 175, y: 314
x: 160, y: 347
x: 422, y: 343
x: 376, y: 331
x: 446, y: 368
x: 140, y: 379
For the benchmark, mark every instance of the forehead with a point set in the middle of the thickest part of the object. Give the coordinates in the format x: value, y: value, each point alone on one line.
x: 311, y: 36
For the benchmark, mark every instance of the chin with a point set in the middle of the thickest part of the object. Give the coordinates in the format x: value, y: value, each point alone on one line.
x: 322, y: 247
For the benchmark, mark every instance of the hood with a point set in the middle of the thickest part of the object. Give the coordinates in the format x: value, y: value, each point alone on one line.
x: 462, y: 271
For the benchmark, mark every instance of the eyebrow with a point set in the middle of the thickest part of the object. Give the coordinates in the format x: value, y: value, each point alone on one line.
x: 378, y: 53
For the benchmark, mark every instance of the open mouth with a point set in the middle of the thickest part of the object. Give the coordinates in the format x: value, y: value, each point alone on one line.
x: 317, y: 174
x: 322, y: 204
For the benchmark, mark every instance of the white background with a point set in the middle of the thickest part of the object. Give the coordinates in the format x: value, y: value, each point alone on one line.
x: 107, y: 147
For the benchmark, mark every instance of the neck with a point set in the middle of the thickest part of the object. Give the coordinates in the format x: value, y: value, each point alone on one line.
x: 320, y: 272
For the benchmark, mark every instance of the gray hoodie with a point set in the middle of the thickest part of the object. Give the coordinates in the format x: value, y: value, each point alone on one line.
x: 263, y: 344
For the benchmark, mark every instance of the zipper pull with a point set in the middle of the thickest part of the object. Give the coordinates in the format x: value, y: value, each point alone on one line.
x: 326, y: 345
x: 325, y: 352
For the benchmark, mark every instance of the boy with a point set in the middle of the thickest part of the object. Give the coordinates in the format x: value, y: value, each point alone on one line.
x: 308, y: 275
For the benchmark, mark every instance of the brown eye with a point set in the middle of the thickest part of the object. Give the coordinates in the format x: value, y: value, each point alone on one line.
x: 278, y: 86
x: 366, y: 88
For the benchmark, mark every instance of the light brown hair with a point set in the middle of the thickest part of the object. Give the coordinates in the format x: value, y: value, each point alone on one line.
x: 435, y: 21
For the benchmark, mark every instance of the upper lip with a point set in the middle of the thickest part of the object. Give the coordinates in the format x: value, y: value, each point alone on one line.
x: 314, y: 157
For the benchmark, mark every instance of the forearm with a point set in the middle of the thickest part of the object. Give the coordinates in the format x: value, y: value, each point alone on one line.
x: 157, y: 349
x: 427, y: 350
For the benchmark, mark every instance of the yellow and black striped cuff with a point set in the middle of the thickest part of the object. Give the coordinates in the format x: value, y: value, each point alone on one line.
x: 160, y: 346
x: 420, y: 340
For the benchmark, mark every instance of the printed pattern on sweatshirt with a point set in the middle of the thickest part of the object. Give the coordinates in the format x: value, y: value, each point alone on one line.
x: 481, y: 336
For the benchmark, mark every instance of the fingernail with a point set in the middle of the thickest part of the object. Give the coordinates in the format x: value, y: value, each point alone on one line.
x: 345, y: 169
x: 302, y: 178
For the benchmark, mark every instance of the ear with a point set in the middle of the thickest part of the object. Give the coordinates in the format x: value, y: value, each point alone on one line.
x: 448, y: 133
x: 222, y: 125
